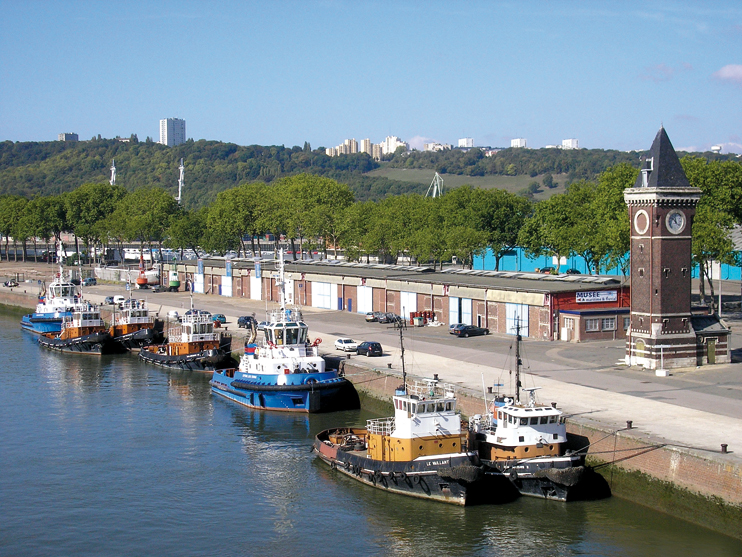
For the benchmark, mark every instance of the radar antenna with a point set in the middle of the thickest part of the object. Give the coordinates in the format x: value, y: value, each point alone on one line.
x: 436, y: 186
x: 113, y: 172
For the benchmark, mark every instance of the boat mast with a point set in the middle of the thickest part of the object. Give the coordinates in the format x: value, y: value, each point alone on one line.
x: 181, y: 180
x: 112, y: 181
x: 400, y: 324
x: 518, y: 362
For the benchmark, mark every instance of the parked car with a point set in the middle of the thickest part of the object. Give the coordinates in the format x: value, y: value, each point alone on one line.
x: 11, y: 283
x: 219, y: 318
x: 119, y: 299
x: 198, y: 312
x: 246, y: 321
x: 573, y: 272
x: 90, y: 281
x: 172, y: 314
x: 470, y: 331
x: 388, y: 318
x: 371, y: 317
x: 452, y: 326
x: 108, y: 300
x: 346, y: 344
x: 369, y: 349
x: 546, y: 270
x: 262, y: 325
x: 158, y: 288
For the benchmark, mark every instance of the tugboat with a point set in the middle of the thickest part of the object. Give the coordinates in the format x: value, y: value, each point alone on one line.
x: 135, y: 326
x: 83, y: 332
x: 421, y: 451
x: 525, y: 442
x: 193, y: 345
x: 285, y: 372
x: 55, y: 304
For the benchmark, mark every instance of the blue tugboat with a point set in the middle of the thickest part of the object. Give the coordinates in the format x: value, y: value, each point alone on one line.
x: 56, y: 304
x: 284, y: 371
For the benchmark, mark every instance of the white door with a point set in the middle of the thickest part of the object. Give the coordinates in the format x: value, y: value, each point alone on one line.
x: 322, y: 294
x: 407, y: 303
x: 256, y: 287
x: 466, y: 311
x: 365, y: 296
x: 517, y: 314
x: 453, y: 310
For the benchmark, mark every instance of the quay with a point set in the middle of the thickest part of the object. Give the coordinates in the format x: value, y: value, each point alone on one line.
x: 676, y: 439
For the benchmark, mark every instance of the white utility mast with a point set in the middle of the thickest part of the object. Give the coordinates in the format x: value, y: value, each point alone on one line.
x: 113, y: 172
x: 180, y: 181
x: 436, y: 186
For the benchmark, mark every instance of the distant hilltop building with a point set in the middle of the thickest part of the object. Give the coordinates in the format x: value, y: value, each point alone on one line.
x: 437, y: 146
x: 347, y: 147
x: 376, y: 150
x: 466, y: 142
x: 716, y: 148
x: 172, y: 131
x: 570, y: 144
x: 67, y: 137
x: 518, y: 142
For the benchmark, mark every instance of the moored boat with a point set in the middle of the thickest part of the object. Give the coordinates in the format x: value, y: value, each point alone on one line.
x: 83, y: 332
x: 526, y: 442
x: 55, y: 304
x: 192, y: 345
x: 421, y: 451
x: 285, y: 370
x: 134, y: 326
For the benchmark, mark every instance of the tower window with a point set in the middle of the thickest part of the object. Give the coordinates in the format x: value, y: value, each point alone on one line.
x: 666, y: 270
x: 641, y: 248
x: 684, y: 270
x: 665, y: 323
x: 656, y: 292
x: 641, y: 271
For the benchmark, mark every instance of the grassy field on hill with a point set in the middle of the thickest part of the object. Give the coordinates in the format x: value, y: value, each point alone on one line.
x: 513, y: 184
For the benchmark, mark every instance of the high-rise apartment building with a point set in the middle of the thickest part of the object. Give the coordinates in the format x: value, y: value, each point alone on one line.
x: 351, y: 146
x: 570, y: 144
x: 67, y: 137
x: 172, y: 131
x: 366, y: 146
x: 518, y: 143
x: 466, y: 142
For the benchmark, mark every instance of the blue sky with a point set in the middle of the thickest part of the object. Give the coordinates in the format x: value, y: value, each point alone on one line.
x: 281, y: 73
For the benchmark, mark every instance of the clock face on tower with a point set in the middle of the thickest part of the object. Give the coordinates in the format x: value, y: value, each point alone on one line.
x: 675, y: 221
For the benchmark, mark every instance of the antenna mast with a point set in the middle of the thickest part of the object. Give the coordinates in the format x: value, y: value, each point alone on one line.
x: 113, y: 172
x: 517, y: 360
x: 180, y: 181
x: 436, y: 186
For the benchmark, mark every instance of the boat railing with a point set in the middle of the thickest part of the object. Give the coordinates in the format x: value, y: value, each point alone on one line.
x: 430, y: 389
x: 136, y: 320
x: 380, y: 426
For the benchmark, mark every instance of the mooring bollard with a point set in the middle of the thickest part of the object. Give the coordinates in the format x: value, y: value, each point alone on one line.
x: 553, y: 404
x: 489, y: 390
x: 435, y: 377
x: 724, y: 448
x: 629, y: 424
x: 389, y: 365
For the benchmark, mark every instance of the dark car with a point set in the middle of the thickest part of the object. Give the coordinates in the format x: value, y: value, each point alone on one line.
x: 90, y: 281
x: 546, y: 270
x: 470, y: 331
x: 219, y: 318
x: 11, y: 283
x: 388, y: 318
x: 246, y: 322
x: 573, y: 272
x: 108, y: 300
x: 369, y: 349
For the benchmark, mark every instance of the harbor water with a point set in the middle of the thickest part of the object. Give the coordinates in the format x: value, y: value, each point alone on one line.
x: 108, y: 456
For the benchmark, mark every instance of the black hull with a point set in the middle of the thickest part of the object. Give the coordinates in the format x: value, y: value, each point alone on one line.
x: 449, y: 479
x: 206, y: 360
x: 139, y: 339
x: 96, y: 344
x: 558, y: 479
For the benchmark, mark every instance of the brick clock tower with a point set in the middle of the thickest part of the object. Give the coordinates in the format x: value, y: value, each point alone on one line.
x: 662, y: 205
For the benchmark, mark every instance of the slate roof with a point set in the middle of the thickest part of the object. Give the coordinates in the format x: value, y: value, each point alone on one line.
x: 708, y: 324
x: 666, y: 170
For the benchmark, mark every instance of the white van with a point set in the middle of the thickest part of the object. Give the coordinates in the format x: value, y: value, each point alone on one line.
x: 119, y: 299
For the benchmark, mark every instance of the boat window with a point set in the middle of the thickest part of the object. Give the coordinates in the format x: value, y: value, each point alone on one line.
x: 279, y: 336
x: 449, y: 406
x: 544, y: 420
x: 552, y: 419
x: 413, y: 408
x: 303, y: 334
x: 534, y: 421
x: 511, y: 419
x: 439, y: 407
x: 524, y: 421
x: 292, y: 335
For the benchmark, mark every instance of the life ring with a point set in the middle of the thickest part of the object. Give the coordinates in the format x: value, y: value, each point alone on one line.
x: 310, y: 381
x: 317, y: 341
x: 347, y: 465
x: 416, y: 480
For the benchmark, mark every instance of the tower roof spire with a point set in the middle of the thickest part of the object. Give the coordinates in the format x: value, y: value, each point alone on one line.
x: 662, y: 168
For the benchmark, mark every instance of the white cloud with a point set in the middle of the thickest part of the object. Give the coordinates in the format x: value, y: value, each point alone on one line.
x: 730, y: 72
x: 418, y: 141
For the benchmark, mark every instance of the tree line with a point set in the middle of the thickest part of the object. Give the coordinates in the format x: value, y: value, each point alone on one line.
x: 315, y: 212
